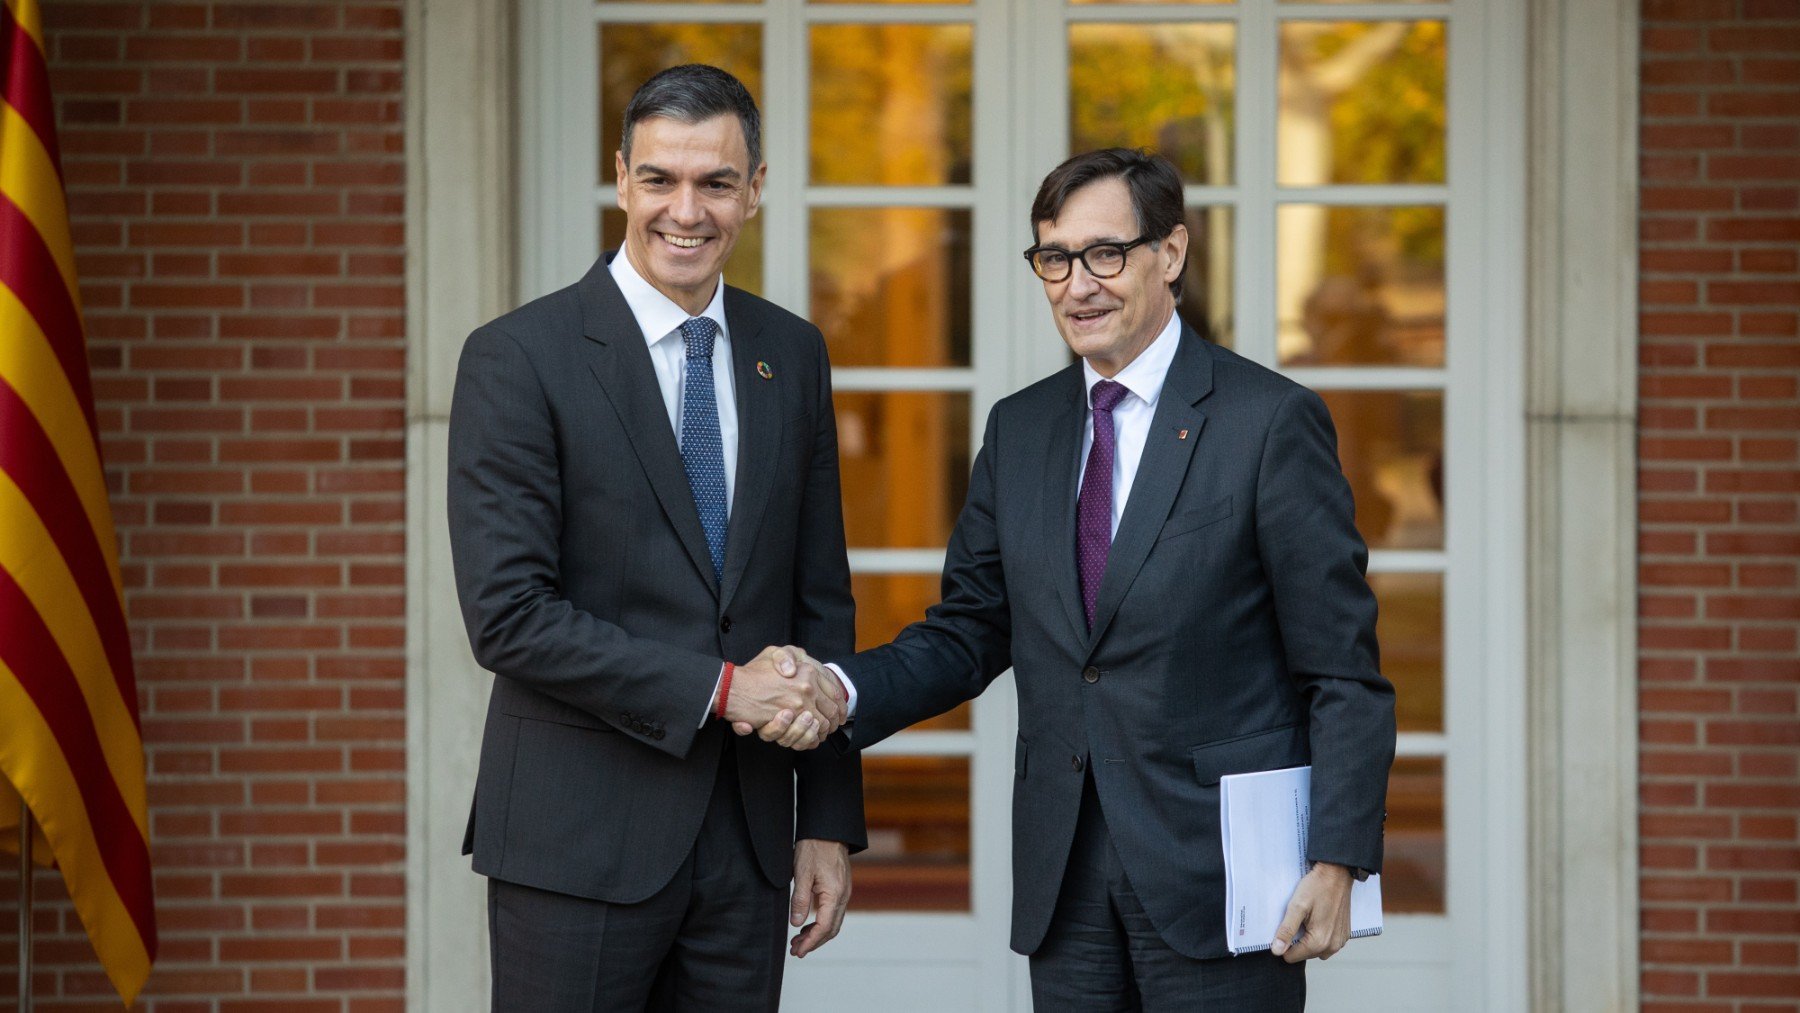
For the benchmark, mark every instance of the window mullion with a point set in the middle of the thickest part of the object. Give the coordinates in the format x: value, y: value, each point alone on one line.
x: 786, y: 126
x: 1254, y: 274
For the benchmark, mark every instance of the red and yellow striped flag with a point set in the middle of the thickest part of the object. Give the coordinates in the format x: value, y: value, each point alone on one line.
x: 70, y: 741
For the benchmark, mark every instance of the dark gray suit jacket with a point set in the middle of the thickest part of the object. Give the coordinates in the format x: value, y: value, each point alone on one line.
x: 1234, y: 631
x: 588, y: 591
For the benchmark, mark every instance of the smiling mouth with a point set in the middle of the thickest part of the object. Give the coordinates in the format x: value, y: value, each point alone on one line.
x: 685, y: 242
x: 1088, y: 316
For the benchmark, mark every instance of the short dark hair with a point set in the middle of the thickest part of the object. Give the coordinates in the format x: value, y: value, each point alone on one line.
x: 1154, y: 183
x: 694, y: 93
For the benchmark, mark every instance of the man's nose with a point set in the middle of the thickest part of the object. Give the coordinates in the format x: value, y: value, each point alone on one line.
x: 1081, y: 282
x: 686, y: 209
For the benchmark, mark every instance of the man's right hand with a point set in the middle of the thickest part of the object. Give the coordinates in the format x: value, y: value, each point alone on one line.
x: 784, y: 688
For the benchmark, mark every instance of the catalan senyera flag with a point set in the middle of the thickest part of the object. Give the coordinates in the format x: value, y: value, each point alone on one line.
x: 70, y: 742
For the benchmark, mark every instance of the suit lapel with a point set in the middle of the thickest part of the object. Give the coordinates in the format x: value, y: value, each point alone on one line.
x: 620, y: 361
x: 759, y: 437
x: 1062, y: 465
x: 1160, y: 473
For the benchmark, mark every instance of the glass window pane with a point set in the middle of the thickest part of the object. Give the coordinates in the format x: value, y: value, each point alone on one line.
x: 630, y: 54
x: 918, y: 815
x: 890, y: 286
x: 1412, y: 867
x: 1361, y: 102
x: 1360, y: 285
x: 1391, y: 444
x: 891, y: 104
x: 1170, y: 88
x: 745, y: 268
x: 1206, y: 284
x: 905, y: 460
x: 1411, y: 632
x: 885, y: 604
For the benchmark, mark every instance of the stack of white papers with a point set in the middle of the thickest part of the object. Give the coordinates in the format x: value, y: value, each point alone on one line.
x: 1263, y: 819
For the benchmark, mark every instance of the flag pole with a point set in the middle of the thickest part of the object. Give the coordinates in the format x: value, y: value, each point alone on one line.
x: 25, y: 870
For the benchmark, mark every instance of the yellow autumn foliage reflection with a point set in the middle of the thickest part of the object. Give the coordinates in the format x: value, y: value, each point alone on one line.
x: 892, y: 105
x: 1167, y: 87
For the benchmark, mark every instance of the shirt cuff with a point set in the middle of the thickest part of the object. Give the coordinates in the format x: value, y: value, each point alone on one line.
x: 849, y: 688
x: 712, y: 702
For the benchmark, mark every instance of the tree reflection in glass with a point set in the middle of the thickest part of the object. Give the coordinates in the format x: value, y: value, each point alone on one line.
x: 1171, y: 88
x: 891, y: 104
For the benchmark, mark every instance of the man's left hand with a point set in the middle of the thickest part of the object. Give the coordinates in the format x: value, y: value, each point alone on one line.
x: 821, y: 887
x: 1318, y: 914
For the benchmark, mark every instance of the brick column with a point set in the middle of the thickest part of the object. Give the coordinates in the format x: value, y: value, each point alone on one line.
x: 236, y: 181
x: 1719, y: 488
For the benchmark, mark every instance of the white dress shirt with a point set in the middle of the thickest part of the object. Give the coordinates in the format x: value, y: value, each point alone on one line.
x: 1143, y: 377
x: 660, y: 319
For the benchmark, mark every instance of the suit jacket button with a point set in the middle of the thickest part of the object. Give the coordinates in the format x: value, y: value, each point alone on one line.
x: 1075, y: 764
x: 1090, y: 674
x: 725, y: 625
x: 657, y: 735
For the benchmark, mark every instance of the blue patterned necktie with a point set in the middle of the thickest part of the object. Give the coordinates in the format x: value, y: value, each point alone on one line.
x: 702, y: 452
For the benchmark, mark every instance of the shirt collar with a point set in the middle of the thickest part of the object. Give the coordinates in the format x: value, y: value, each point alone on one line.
x: 657, y: 315
x: 1144, y: 375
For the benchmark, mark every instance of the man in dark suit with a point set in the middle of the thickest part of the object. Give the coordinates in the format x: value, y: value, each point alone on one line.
x: 1159, y: 542
x: 643, y: 489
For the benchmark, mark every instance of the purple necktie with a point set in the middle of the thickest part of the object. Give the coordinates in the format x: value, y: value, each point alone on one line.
x: 1093, y: 512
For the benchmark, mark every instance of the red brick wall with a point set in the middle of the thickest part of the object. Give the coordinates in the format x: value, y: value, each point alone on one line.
x: 1719, y: 490
x: 236, y: 181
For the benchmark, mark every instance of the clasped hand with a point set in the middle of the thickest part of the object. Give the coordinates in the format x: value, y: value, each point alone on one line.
x: 787, y: 697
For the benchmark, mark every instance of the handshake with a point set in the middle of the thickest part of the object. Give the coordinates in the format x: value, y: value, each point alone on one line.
x: 785, y: 697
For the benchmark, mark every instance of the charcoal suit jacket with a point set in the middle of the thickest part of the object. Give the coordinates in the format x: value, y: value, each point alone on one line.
x: 587, y: 589
x: 1234, y: 631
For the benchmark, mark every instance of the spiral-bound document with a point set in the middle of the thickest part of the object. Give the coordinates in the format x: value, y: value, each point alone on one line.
x: 1263, y: 821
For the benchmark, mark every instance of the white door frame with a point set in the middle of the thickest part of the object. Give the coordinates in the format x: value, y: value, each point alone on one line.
x: 1570, y: 624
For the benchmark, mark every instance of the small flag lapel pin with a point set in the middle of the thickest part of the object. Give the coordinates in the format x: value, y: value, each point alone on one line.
x: 1181, y: 435
x: 763, y: 370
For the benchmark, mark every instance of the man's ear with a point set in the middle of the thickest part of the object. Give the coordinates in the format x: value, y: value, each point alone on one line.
x: 756, y: 189
x: 1173, y: 250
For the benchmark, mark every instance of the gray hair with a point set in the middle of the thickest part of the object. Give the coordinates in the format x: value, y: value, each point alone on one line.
x: 694, y: 93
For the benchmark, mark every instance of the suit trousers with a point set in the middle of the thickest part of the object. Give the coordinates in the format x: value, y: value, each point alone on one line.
x: 1102, y: 953
x: 710, y: 939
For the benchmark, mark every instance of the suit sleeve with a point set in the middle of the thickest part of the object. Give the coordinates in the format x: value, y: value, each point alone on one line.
x: 1315, y: 561
x: 505, y: 496
x: 828, y: 782
x: 964, y: 642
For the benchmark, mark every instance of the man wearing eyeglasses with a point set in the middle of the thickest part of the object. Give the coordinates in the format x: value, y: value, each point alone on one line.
x: 1159, y: 542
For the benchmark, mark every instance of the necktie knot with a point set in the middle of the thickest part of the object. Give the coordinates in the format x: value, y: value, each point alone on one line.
x: 697, y: 335
x: 1108, y: 394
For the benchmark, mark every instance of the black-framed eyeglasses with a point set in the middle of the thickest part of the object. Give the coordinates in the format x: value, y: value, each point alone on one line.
x: 1102, y: 260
